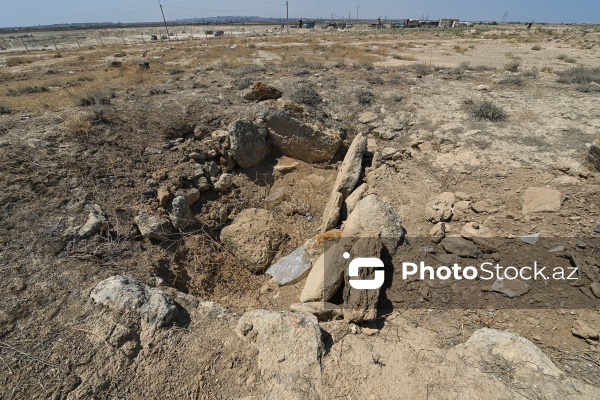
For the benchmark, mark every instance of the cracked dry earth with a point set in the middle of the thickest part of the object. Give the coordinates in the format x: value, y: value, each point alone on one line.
x: 228, y: 331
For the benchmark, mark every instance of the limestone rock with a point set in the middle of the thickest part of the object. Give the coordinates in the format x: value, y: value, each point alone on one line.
x: 323, y: 310
x: 254, y: 237
x: 351, y: 167
x: 367, y: 117
x: 248, y: 145
x: 191, y: 196
x: 539, y: 199
x: 353, y: 199
x: 487, y: 345
x: 484, y: 207
x: 224, y: 182
x: 315, y: 246
x: 461, y: 247
x: 180, y: 214
x: 203, y: 184
x: 361, y: 305
x: 331, y: 214
x: 511, y: 287
x: 438, y: 232
x: 594, y: 154
x: 259, y: 91
x: 164, y: 196
x: 583, y: 330
x: 297, y: 132
x: 289, y: 349
x: 153, y: 227
x: 326, y: 275
x: 440, y: 209
x: 123, y: 291
x: 95, y: 223
x: 373, y: 214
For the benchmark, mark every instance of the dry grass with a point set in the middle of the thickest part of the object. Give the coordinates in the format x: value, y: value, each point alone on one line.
x: 566, y: 58
x: 485, y: 110
x: 459, y: 49
x: 15, y: 61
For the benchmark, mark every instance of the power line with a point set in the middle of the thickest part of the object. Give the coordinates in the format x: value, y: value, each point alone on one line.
x: 164, y: 19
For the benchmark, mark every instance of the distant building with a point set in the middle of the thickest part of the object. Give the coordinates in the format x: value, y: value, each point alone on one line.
x: 411, y: 23
x: 428, y: 24
x: 447, y: 23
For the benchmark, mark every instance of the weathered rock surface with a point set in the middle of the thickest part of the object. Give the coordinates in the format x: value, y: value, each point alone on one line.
x: 346, y: 181
x: 373, y: 214
x: 95, y: 223
x: 361, y: 305
x: 331, y: 214
x: 539, y: 199
x: 323, y: 310
x: 511, y: 287
x: 461, y: 247
x: 153, y: 227
x: 484, y: 207
x: 224, y: 182
x: 440, y: 209
x: 180, y: 214
x: 259, y: 91
x: 289, y: 351
x: 123, y: 291
x: 367, y: 117
x: 356, y: 196
x: 248, y: 145
x: 438, y: 232
x: 298, y: 133
x: 164, y: 196
x: 351, y: 167
x: 326, y: 275
x: 594, y: 154
x: 254, y: 237
x: 583, y: 330
x: 315, y: 246
x: 191, y: 195
x: 489, y: 344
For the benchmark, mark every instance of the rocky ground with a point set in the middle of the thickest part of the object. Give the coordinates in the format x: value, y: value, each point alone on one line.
x: 153, y: 199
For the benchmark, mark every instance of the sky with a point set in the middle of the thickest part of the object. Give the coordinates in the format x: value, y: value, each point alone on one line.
x: 48, y: 12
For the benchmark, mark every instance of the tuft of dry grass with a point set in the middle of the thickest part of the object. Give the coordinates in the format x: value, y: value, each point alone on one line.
x: 566, y: 58
x: 512, y: 66
x: 15, y: 61
x: 459, y: 49
x: 485, y: 110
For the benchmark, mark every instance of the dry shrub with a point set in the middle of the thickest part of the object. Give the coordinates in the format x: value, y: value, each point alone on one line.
x: 485, y: 110
x: 305, y: 93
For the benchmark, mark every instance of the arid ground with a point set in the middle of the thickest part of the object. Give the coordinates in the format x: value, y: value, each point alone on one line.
x: 485, y: 113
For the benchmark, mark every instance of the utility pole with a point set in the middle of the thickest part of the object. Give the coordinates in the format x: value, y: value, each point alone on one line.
x: 287, y: 15
x: 164, y: 19
x: 357, y: 7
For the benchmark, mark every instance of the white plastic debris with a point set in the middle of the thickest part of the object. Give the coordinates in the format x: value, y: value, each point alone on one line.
x: 291, y: 267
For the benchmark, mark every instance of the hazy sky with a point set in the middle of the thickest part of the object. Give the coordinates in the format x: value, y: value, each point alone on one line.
x: 34, y: 12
